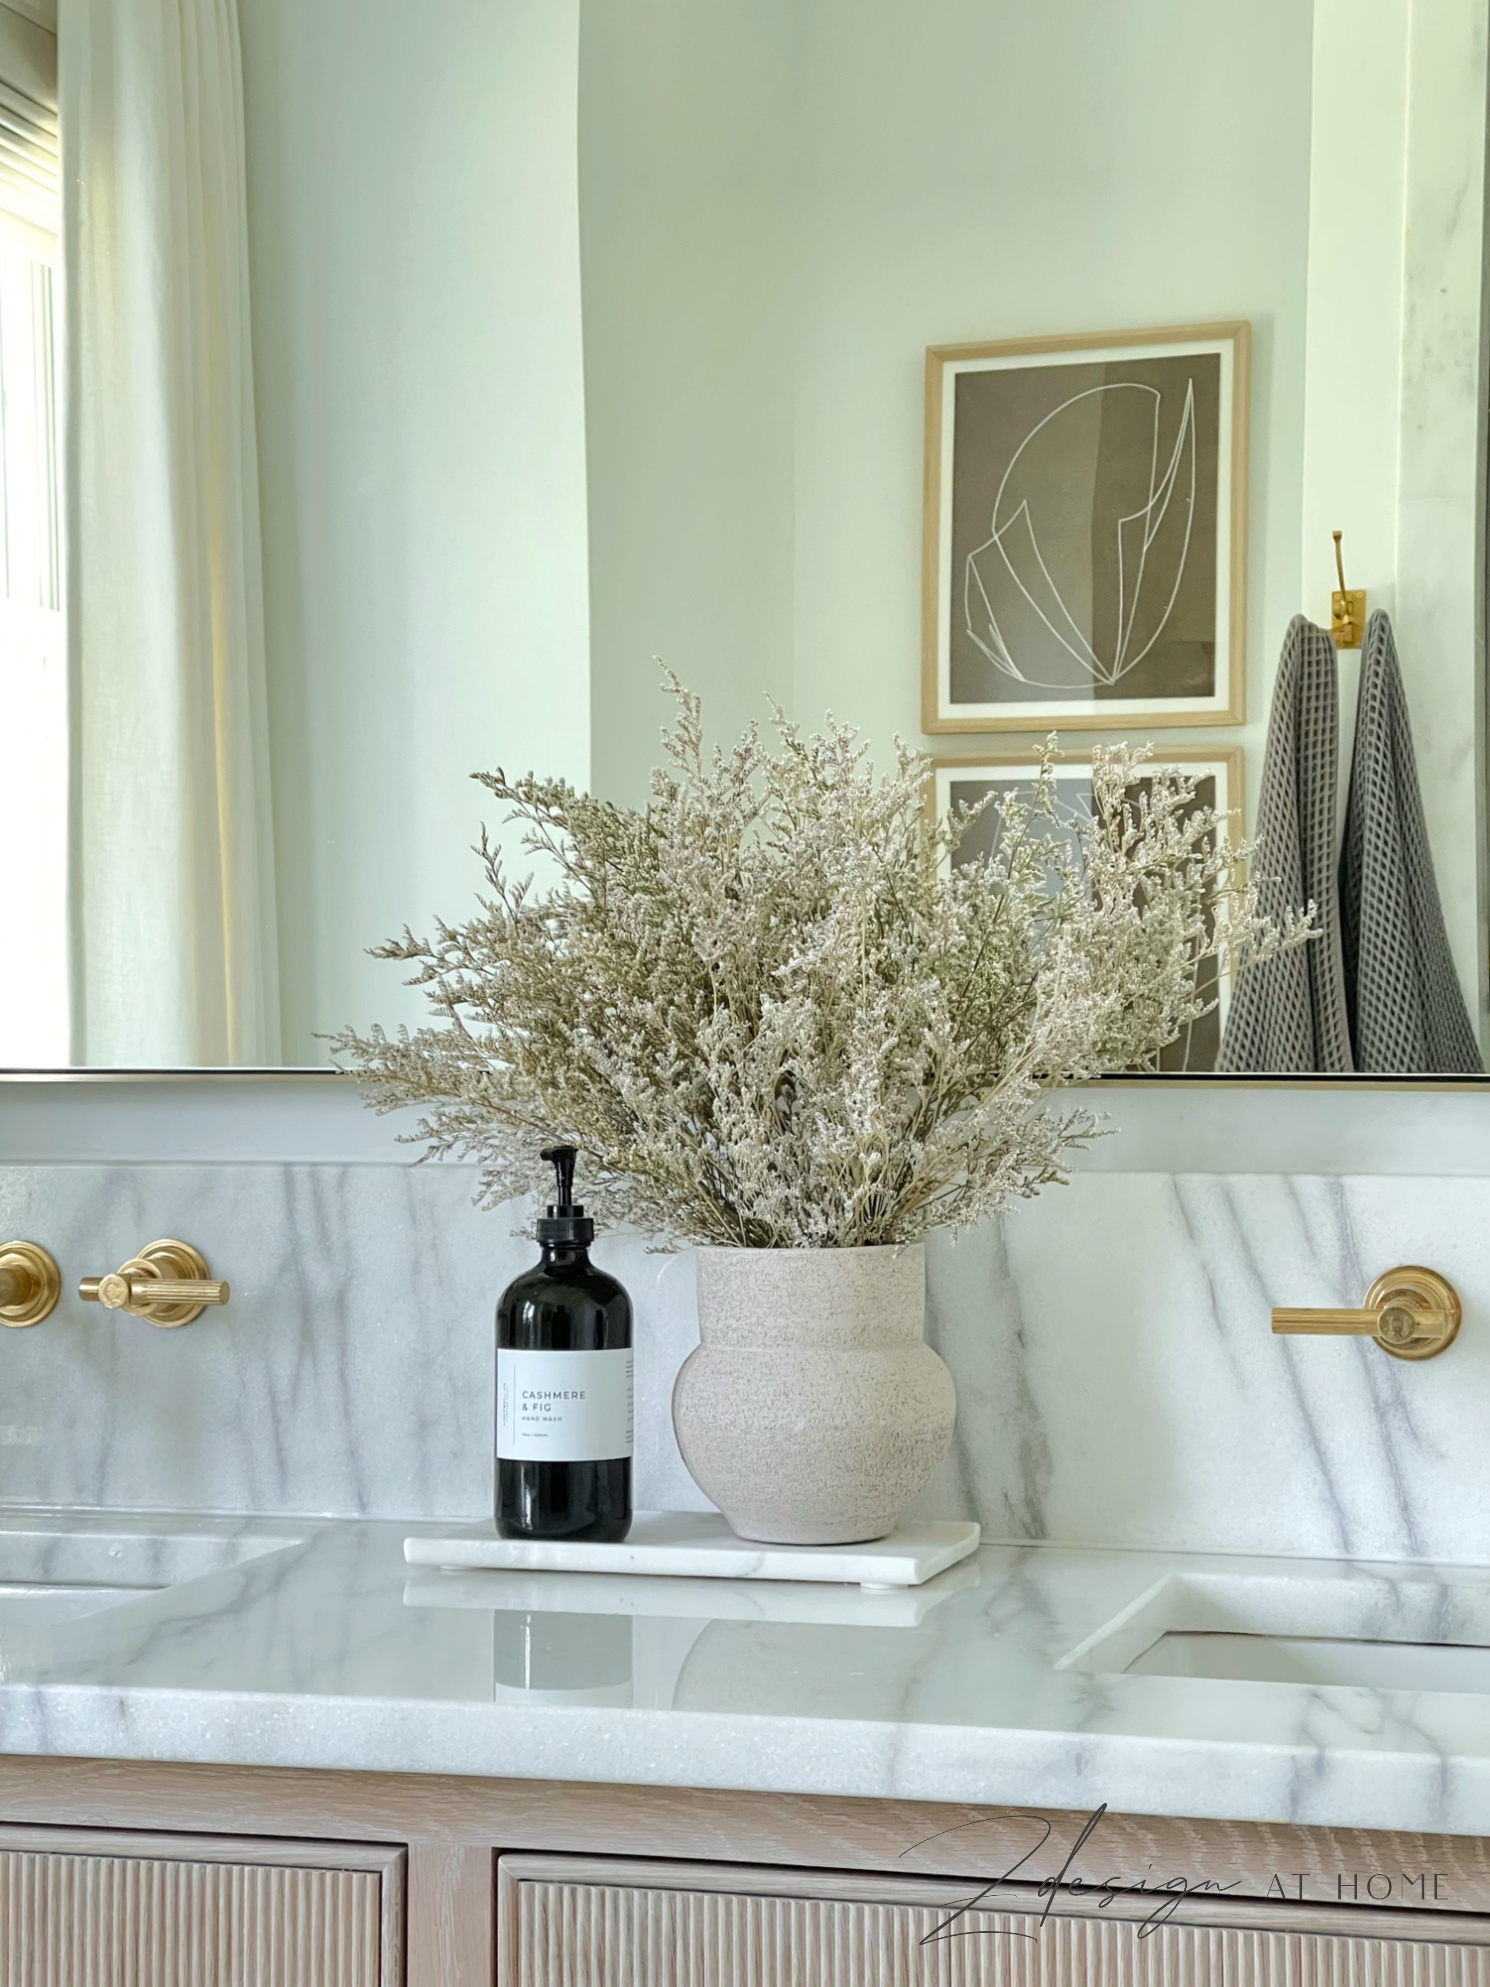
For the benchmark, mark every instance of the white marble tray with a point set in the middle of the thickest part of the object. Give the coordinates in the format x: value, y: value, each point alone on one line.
x: 700, y: 1545
x: 646, y: 1595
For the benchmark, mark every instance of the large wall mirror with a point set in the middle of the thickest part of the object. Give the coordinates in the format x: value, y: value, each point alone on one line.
x: 386, y: 386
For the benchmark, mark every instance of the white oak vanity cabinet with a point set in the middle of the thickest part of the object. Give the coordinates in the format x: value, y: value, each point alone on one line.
x: 585, y: 1923
x: 136, y: 1875
x: 115, y: 1908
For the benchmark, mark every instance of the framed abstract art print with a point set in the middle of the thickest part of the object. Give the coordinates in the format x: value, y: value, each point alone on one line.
x: 1217, y: 771
x: 1085, y: 531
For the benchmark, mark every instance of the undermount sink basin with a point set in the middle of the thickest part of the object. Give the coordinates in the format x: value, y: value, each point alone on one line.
x: 1392, y: 1629
x: 1317, y: 1660
x: 57, y: 1574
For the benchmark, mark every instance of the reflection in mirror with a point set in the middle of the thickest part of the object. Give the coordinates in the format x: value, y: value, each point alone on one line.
x: 1216, y: 780
x: 387, y: 387
x: 33, y: 669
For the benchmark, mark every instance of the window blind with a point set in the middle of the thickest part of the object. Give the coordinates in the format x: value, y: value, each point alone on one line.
x: 30, y: 163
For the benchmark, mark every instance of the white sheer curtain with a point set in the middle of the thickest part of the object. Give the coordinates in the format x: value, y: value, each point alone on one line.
x: 174, y: 953
x: 33, y: 665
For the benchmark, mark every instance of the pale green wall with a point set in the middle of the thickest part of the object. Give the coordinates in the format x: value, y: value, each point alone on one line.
x: 688, y: 228
x: 415, y: 274
x: 945, y: 170
x: 780, y: 204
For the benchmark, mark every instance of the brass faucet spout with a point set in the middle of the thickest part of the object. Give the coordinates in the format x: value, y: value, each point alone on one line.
x: 30, y: 1283
x: 1412, y: 1313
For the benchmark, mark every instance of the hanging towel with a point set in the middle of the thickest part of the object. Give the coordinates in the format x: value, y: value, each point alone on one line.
x: 1289, y: 1014
x: 1407, y: 1009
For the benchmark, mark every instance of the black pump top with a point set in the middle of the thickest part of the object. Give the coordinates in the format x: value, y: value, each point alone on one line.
x: 566, y: 1224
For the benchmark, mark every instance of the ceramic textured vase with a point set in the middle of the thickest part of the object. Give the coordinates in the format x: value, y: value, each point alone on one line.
x: 812, y: 1410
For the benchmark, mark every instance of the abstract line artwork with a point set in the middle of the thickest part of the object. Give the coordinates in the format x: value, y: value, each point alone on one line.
x: 1085, y: 531
x: 1010, y: 575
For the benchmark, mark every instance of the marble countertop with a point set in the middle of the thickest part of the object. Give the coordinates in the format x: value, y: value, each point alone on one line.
x: 1005, y: 1681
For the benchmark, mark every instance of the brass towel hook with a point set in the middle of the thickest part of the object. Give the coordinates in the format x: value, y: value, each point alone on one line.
x: 1411, y: 1312
x: 169, y: 1283
x: 1347, y: 606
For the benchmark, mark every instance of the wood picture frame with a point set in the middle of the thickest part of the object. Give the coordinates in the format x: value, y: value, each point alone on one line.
x: 1229, y: 760
x: 1196, y: 1050
x: 1026, y: 633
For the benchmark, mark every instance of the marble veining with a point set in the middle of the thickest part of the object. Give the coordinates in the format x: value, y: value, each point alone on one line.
x: 1117, y: 1380
x: 351, y: 1373
x: 1129, y: 1391
x: 1006, y: 1687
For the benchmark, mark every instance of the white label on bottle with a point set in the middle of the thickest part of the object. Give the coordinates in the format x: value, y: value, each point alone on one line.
x: 564, y: 1407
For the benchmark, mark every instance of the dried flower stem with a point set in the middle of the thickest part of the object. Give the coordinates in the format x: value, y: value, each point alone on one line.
x: 772, y: 1012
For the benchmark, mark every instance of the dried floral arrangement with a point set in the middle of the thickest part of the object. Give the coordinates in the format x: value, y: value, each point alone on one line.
x: 772, y: 1014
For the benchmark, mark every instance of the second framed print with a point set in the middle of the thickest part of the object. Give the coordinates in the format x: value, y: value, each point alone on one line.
x: 1085, y: 531
x: 1217, y: 771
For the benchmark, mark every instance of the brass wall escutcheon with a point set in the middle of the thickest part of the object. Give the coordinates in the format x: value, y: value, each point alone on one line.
x: 30, y: 1283
x: 169, y: 1283
x: 1411, y: 1312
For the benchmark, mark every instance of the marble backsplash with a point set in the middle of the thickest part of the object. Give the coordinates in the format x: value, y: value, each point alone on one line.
x: 1117, y: 1380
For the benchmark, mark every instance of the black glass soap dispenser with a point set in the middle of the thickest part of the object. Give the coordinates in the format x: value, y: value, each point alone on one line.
x: 564, y: 1373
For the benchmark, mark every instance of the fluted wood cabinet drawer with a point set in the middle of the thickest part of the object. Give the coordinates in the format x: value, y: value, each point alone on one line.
x: 80, y: 1908
x: 581, y: 1922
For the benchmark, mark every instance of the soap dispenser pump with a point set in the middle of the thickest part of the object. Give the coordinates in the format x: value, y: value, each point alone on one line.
x: 564, y: 1384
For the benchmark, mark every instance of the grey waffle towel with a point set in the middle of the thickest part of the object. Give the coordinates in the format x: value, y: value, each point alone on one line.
x: 1289, y: 1014
x: 1407, y: 1009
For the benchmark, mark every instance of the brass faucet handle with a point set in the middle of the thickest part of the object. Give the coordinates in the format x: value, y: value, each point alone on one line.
x: 1411, y: 1312
x: 135, y: 1288
x: 168, y: 1283
x: 30, y: 1283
